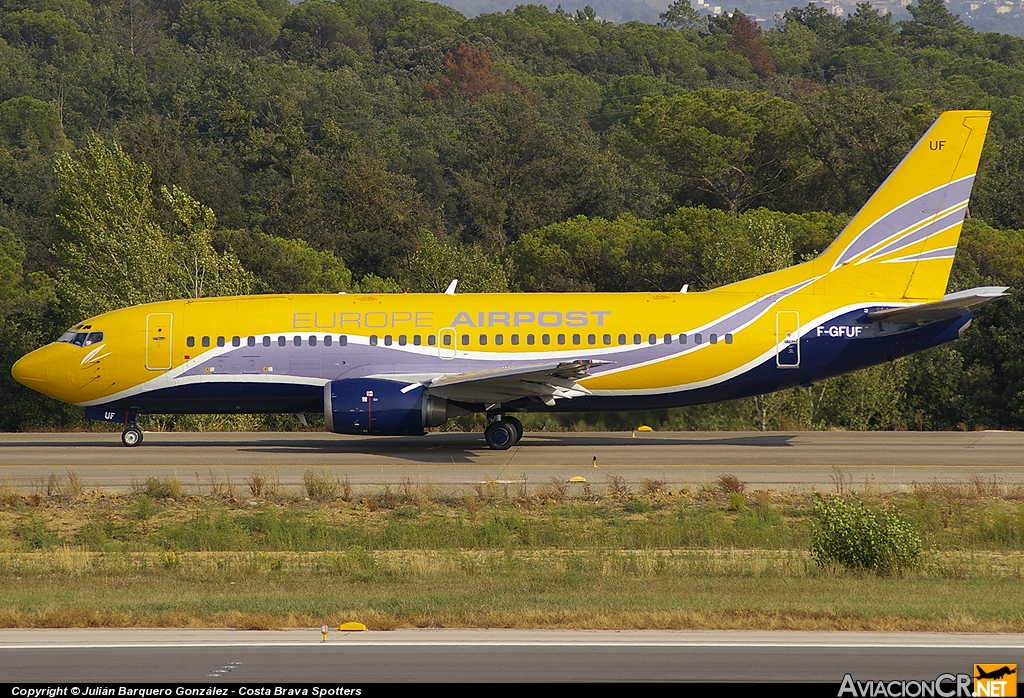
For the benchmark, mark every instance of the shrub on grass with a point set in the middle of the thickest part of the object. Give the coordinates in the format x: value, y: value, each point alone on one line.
x: 847, y: 533
x: 319, y: 486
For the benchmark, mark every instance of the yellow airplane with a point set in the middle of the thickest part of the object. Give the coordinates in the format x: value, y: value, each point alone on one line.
x: 397, y: 364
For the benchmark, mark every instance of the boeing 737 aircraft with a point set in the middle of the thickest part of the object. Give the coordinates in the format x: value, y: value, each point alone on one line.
x: 397, y: 364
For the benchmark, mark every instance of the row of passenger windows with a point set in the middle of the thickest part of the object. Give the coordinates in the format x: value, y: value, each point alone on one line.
x: 591, y: 339
x: 282, y: 341
x: 446, y: 340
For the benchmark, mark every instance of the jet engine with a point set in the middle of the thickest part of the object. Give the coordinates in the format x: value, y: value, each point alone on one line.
x: 383, y: 407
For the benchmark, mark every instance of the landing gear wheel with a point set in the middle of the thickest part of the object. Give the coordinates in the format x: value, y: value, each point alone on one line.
x: 516, y: 424
x: 500, y: 435
x: 132, y: 436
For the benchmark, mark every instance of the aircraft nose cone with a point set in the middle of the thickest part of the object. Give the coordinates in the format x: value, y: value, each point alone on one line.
x: 30, y: 371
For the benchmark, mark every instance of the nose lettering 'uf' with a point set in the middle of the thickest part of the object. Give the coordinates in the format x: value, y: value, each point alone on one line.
x: 840, y: 330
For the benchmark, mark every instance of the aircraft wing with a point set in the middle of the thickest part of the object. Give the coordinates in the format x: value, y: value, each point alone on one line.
x: 546, y: 382
x: 952, y: 305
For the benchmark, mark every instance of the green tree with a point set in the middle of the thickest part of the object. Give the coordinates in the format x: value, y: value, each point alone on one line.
x: 197, y: 270
x: 285, y: 266
x: 434, y: 265
x: 681, y: 15
x: 112, y: 249
x: 736, y: 149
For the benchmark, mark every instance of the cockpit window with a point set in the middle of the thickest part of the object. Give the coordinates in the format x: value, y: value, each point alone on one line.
x: 71, y: 333
x: 84, y: 339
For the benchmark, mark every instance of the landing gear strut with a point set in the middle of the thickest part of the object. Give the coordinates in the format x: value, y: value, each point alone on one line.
x: 131, y: 436
x: 503, y: 433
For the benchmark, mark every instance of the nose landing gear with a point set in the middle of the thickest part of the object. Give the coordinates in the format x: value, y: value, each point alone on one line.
x: 131, y: 436
x: 503, y: 433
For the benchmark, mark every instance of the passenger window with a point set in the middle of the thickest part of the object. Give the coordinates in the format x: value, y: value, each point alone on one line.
x: 575, y: 339
x: 728, y: 338
x: 622, y: 339
x: 431, y: 340
x: 417, y: 340
x: 206, y: 341
x: 636, y: 339
x: 402, y: 340
x: 387, y: 340
x: 266, y: 341
x: 529, y: 339
x: 545, y: 339
x: 465, y: 340
x: 282, y: 341
x: 483, y: 340
x: 312, y: 340
x: 373, y: 340
x: 561, y: 339
x: 591, y: 339
x: 606, y: 339
x: 697, y: 339
x: 236, y: 341
x: 668, y: 339
x: 328, y: 340
x: 499, y: 339
x: 714, y: 338
x: 682, y: 339
x: 297, y: 340
x: 190, y: 341
x: 343, y: 340
x: 251, y: 341
x: 652, y: 339
x: 515, y: 340
x: 446, y: 340
x: 220, y: 341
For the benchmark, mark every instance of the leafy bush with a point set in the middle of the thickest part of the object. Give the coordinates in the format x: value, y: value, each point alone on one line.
x: 847, y: 533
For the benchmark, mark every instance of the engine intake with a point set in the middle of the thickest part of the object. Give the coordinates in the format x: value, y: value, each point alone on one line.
x: 382, y: 407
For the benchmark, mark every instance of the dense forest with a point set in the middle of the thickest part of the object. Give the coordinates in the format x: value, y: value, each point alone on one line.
x: 183, y: 148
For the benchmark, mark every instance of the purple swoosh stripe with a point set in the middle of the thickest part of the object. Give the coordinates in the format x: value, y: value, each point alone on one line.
x: 906, y: 216
x: 358, y: 360
x: 941, y: 253
x: 938, y: 225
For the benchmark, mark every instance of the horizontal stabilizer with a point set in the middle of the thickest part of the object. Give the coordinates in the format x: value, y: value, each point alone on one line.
x: 952, y: 305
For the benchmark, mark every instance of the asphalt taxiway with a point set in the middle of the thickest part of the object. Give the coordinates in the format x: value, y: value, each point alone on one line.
x: 237, y: 656
x: 781, y: 460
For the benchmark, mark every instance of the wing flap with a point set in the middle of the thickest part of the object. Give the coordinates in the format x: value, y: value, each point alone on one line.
x: 546, y: 382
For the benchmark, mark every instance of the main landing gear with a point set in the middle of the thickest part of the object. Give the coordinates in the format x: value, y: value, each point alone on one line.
x: 131, y: 436
x: 503, y: 432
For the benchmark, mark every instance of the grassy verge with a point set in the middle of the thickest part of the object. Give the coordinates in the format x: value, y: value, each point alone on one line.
x: 711, y: 557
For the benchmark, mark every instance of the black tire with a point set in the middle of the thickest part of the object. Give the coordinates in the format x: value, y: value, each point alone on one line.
x: 516, y: 424
x: 500, y: 435
x: 132, y: 436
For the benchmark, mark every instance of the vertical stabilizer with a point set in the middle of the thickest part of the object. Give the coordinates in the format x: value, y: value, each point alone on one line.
x: 901, y: 244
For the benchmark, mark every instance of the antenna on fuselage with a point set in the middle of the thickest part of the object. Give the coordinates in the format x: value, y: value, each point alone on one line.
x: 685, y: 288
x: 450, y: 291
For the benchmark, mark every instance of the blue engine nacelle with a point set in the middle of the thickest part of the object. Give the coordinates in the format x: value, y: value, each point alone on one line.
x: 386, y: 408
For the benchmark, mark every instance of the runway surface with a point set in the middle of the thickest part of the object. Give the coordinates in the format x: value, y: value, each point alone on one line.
x: 221, y: 656
x: 781, y: 460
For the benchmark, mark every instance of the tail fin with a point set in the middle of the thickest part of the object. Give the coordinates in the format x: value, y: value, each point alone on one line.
x: 900, y: 245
